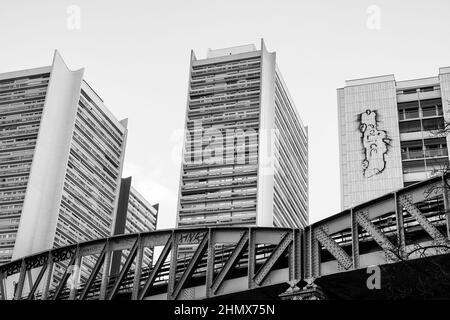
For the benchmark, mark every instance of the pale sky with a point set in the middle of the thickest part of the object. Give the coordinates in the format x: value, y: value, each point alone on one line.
x: 136, y: 55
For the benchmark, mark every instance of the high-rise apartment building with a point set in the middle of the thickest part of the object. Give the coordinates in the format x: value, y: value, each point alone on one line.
x: 391, y: 133
x: 245, y: 151
x: 134, y: 214
x: 61, y: 156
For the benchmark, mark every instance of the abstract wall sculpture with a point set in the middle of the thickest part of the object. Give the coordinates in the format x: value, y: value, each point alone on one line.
x: 375, y: 144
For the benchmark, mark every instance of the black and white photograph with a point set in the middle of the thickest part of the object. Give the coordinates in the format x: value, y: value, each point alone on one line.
x: 215, y: 159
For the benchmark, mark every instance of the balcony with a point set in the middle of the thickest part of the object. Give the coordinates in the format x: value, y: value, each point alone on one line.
x: 420, y: 154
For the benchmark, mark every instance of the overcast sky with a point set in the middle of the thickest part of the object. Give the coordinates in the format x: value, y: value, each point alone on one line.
x: 136, y: 55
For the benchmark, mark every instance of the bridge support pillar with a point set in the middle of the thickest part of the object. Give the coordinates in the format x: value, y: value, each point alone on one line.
x: 310, y: 291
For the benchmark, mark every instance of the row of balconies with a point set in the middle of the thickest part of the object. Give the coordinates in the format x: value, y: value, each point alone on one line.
x: 100, y: 158
x: 87, y: 199
x: 227, y: 117
x: 14, y: 172
x: 91, y: 178
x: 23, y: 83
x: 96, y: 130
x: 21, y: 121
x: 225, y: 77
x: 17, y: 145
x: 218, y: 196
x: 100, y: 143
x: 23, y: 108
x: 91, y: 166
x: 71, y: 209
x: 239, y: 181
x: 13, y: 182
x: 222, y: 107
x: 239, y: 95
x: 219, y: 174
x: 20, y: 132
x: 98, y: 194
x: 186, y: 211
x: 211, y: 129
x: 420, y: 154
x: 81, y: 226
x: 22, y: 95
x: 224, y: 87
x: 214, y: 221
x: 225, y: 67
x: 81, y: 208
x: 10, y: 157
x: 90, y: 109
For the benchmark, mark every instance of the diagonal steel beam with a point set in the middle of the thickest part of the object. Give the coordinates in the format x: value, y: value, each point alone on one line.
x: 173, y: 264
x: 76, y: 275
x: 2, y: 287
x: 64, y: 279
x: 211, y: 256
x: 37, y: 282
x: 273, y: 258
x: 48, y: 276
x: 30, y: 278
x: 251, y: 258
x: 231, y: 262
x: 19, y: 288
x: 446, y: 204
x: 106, y: 271
x: 196, y: 258
x: 162, y: 257
x: 336, y: 251
x: 406, y: 202
x: 93, y: 274
x: 124, y: 270
x: 377, y: 235
x: 137, y: 270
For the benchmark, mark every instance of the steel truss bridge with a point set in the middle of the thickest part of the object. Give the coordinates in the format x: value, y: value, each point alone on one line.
x: 229, y: 260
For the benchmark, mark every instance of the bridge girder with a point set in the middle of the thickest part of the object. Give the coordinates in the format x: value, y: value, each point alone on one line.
x: 264, y: 256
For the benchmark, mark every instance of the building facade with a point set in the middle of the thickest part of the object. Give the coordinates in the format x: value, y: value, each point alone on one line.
x: 245, y: 154
x: 391, y: 134
x: 61, y: 157
x: 134, y: 214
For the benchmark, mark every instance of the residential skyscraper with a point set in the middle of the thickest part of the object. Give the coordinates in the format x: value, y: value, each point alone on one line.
x: 61, y: 157
x: 391, y: 133
x: 245, y: 151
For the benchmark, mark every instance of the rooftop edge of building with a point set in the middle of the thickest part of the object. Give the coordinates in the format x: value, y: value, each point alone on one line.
x: 215, y: 53
x: 228, y: 54
x: 401, y: 83
x: 369, y: 80
x: 25, y: 72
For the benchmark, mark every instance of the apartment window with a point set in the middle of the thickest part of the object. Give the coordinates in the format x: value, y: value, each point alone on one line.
x: 409, y: 91
x: 410, y: 126
x: 436, y: 148
x: 433, y: 124
x: 412, y: 150
x: 426, y: 89
x: 413, y: 166
x: 432, y: 111
x: 409, y: 110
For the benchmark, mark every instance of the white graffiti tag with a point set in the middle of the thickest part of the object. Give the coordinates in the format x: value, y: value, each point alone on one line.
x: 375, y: 143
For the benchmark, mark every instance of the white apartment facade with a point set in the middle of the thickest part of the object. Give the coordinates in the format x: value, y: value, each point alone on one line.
x: 391, y: 134
x: 61, y: 158
x: 246, y: 149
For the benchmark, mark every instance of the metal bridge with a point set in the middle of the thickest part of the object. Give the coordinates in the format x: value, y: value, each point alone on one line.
x: 398, y: 226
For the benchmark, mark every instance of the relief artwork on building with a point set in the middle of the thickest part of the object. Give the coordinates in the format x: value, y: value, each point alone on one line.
x: 375, y: 144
